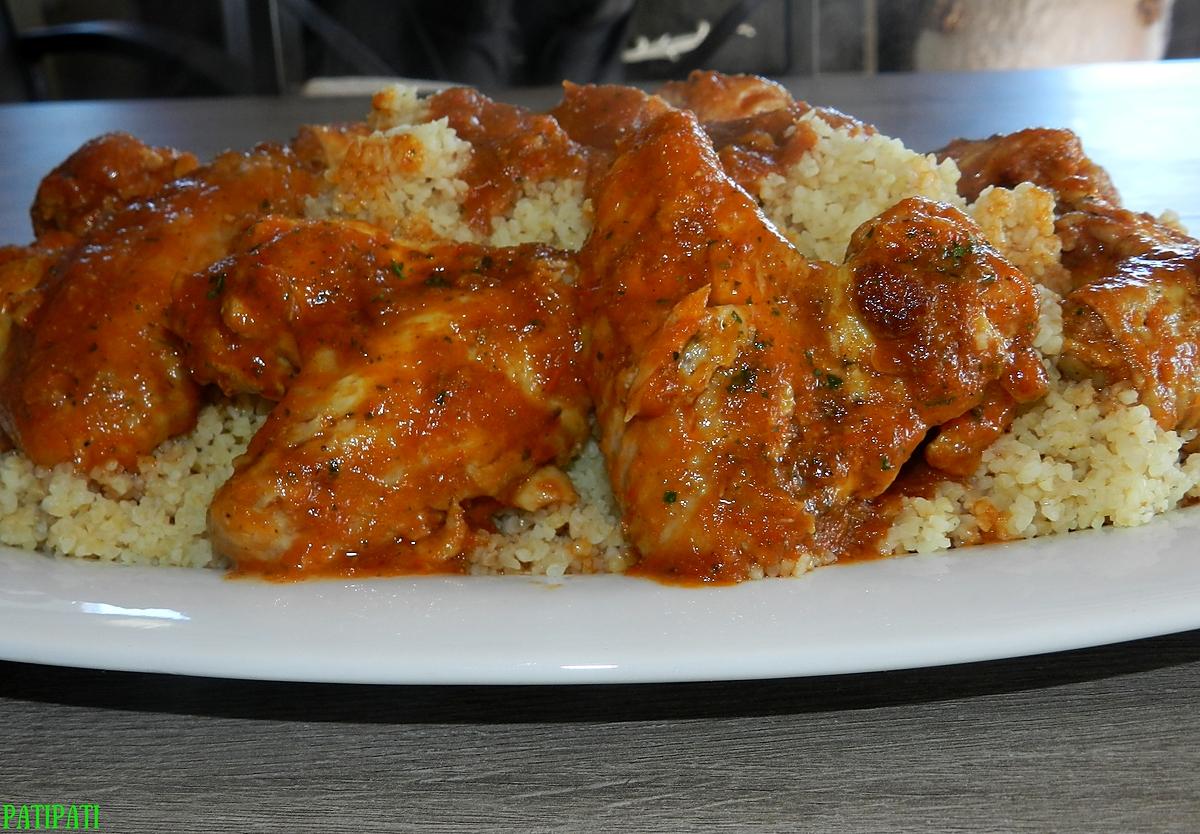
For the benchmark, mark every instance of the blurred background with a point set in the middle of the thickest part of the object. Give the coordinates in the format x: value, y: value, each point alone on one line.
x: 81, y: 49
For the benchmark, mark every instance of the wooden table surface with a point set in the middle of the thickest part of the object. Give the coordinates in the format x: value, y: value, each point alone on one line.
x: 1098, y: 740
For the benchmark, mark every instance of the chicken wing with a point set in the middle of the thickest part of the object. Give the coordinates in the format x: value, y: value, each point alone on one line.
x: 752, y: 404
x: 1051, y: 158
x: 92, y: 375
x: 1133, y: 314
x: 101, y: 177
x: 412, y: 384
x: 1135, y: 317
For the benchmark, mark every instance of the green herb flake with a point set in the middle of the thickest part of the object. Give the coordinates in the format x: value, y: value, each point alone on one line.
x: 959, y: 251
x: 670, y: 496
x: 397, y: 269
x: 216, y: 285
x: 833, y: 381
x: 436, y: 281
x: 884, y: 463
x: 743, y: 379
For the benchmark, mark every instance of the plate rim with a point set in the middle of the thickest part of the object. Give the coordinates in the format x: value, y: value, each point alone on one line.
x: 46, y: 616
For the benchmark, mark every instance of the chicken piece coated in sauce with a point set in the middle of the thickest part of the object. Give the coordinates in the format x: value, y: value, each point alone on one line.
x: 601, y: 117
x: 753, y: 404
x: 99, y: 178
x: 105, y: 174
x: 102, y: 176
x: 1051, y: 158
x: 412, y: 385
x: 92, y: 375
x: 755, y: 125
x: 1133, y: 315
x: 716, y: 97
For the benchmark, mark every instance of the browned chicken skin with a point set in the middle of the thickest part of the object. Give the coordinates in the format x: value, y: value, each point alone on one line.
x: 412, y: 383
x: 92, y: 376
x: 1133, y: 315
x: 751, y: 404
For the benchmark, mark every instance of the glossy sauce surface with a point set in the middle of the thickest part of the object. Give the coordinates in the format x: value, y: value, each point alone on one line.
x: 1132, y: 315
x: 101, y: 177
x: 753, y: 405
x: 412, y: 383
x: 511, y: 146
x: 92, y: 376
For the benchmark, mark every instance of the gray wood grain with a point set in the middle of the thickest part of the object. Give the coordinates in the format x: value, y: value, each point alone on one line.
x: 1102, y: 740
